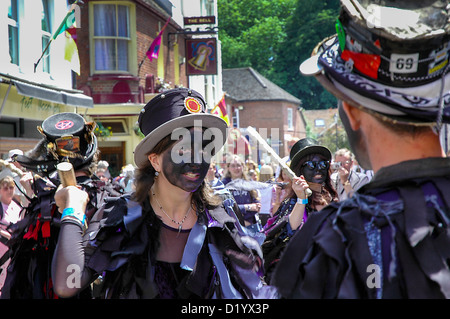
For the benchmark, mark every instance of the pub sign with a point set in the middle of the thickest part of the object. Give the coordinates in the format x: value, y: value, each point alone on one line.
x: 201, y: 56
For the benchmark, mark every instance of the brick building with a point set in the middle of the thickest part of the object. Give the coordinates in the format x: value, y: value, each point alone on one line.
x: 255, y: 101
x: 114, y: 67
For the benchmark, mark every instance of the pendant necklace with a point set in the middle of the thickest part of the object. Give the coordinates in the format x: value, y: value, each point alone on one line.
x: 180, y: 224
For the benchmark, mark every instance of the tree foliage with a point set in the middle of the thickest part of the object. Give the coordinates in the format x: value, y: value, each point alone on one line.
x: 274, y: 37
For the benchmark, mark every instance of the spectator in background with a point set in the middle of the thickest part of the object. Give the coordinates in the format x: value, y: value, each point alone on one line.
x: 10, y: 208
x: 10, y: 213
x: 346, y: 180
x: 105, y: 166
x: 266, y: 173
x: 251, y: 165
x: 16, y: 171
x: 127, y: 177
x: 247, y: 200
x: 212, y: 177
x: 253, y: 175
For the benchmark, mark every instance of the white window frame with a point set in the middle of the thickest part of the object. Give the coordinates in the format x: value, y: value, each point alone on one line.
x: 130, y: 38
x: 290, y: 119
x: 14, y: 24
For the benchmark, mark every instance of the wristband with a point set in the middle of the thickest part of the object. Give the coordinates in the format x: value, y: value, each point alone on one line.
x: 303, y: 201
x: 69, y: 212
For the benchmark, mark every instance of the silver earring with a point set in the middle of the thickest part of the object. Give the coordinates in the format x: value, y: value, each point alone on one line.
x: 156, y: 174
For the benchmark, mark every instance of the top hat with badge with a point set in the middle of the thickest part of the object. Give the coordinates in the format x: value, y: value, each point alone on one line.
x: 307, y: 146
x: 390, y: 58
x: 67, y: 137
x: 170, y: 110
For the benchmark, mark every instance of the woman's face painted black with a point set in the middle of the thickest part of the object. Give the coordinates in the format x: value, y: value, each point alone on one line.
x: 316, y: 169
x: 185, y: 164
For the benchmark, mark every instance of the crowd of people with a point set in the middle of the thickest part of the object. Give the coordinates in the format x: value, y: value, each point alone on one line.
x: 370, y: 222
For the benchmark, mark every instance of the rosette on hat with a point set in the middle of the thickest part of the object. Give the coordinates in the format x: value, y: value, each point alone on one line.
x: 171, y: 110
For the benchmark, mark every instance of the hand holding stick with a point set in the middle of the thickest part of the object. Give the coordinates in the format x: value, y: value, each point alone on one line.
x: 66, y: 174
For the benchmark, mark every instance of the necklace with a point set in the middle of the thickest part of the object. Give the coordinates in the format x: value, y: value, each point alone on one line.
x: 180, y: 224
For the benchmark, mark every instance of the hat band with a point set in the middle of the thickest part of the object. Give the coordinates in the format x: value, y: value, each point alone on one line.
x: 425, y: 96
x: 397, y: 64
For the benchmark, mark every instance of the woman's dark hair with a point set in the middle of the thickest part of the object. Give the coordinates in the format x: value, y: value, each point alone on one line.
x: 144, y: 178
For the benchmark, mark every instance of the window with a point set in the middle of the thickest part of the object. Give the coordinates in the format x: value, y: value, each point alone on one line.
x: 116, y: 126
x: 13, y: 31
x: 236, y: 118
x: 112, y: 39
x: 290, y: 119
x: 319, y: 122
x: 46, y: 28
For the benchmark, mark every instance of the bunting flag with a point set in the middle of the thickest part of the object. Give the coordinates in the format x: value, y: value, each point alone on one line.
x: 153, y: 50
x: 221, y: 110
x: 67, y: 22
x: 71, y: 49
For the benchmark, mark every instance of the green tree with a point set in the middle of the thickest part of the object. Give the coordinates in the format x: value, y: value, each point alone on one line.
x: 274, y: 37
x: 251, y: 31
x: 334, y: 137
x: 311, y: 22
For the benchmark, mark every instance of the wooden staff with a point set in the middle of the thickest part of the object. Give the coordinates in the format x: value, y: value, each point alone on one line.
x: 275, y: 156
x: 66, y: 174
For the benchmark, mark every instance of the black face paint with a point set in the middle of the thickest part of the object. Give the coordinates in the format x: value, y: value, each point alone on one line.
x: 184, y: 163
x: 355, y: 140
x: 315, y: 172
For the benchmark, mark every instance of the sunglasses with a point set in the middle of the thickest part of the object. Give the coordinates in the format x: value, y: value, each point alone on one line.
x: 321, y: 165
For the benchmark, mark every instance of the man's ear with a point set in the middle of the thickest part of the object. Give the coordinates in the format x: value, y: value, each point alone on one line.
x: 353, y: 115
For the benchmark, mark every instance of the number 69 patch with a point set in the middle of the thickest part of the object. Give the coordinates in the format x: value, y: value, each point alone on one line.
x: 404, y: 63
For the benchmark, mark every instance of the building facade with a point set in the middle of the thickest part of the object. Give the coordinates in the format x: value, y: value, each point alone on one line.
x: 33, y: 85
x: 116, y: 78
x: 255, y: 101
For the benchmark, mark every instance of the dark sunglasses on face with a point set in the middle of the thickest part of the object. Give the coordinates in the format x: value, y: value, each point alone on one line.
x: 320, y: 165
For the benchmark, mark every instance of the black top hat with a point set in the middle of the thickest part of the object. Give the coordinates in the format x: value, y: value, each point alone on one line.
x: 391, y: 57
x: 176, y: 108
x: 306, y: 147
x: 67, y: 137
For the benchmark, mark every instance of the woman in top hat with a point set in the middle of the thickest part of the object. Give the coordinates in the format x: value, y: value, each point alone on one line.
x: 171, y: 238
x: 311, y: 162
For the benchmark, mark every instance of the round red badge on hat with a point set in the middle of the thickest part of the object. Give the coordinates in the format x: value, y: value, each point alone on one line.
x: 64, y: 125
x: 192, y: 105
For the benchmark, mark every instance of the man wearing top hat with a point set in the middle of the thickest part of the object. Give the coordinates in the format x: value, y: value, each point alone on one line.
x: 389, y: 67
x: 67, y: 137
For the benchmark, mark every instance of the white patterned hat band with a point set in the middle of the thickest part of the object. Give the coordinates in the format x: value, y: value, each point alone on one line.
x: 395, y: 66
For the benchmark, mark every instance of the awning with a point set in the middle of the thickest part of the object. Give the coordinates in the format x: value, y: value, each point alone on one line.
x: 53, y: 95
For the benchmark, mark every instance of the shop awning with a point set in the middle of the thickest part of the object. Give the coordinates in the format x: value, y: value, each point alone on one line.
x: 53, y: 95
x: 48, y: 93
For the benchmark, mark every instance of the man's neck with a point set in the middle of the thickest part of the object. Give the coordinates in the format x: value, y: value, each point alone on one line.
x: 390, y: 149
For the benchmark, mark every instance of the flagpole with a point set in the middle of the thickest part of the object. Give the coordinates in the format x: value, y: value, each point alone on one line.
x: 159, y: 34
x: 43, y: 52
x: 57, y: 32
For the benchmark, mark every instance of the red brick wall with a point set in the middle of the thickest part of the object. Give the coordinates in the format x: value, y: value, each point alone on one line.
x: 147, y: 29
x: 271, y: 114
